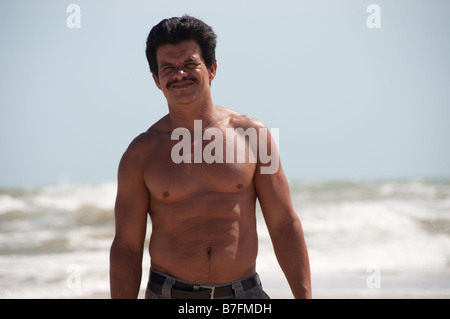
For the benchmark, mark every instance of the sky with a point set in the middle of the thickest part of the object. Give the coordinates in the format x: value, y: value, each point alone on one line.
x: 350, y: 101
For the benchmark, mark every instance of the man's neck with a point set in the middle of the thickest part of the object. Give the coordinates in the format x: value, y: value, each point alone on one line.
x: 185, y: 115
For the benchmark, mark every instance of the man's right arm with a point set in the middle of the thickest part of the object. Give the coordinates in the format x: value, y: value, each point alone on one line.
x: 131, y: 207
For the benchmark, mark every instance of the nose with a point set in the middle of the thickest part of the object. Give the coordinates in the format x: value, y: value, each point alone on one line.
x: 179, y: 73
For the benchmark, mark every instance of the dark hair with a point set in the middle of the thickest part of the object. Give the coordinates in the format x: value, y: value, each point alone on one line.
x: 175, y: 30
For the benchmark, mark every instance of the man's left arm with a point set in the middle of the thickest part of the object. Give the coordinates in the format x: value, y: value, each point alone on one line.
x: 284, y: 226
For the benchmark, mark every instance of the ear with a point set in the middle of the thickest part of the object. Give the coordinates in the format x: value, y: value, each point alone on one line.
x: 212, y: 71
x: 156, y: 79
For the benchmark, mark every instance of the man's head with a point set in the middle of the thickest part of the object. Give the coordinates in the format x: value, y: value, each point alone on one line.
x: 176, y: 30
x: 181, y: 54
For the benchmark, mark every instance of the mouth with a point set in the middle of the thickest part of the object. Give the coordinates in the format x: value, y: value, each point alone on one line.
x: 181, y: 84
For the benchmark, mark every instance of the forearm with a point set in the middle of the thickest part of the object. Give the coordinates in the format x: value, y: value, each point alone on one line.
x: 292, y: 254
x: 125, y: 272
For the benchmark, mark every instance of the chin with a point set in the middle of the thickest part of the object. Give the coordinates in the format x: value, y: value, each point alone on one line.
x: 182, y: 100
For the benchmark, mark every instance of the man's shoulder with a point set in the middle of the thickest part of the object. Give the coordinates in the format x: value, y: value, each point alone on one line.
x: 244, y: 121
x: 238, y: 120
x: 149, y: 139
x: 157, y: 131
x: 162, y: 126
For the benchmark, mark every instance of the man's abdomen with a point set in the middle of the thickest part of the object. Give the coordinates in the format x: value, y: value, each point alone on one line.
x: 203, y: 243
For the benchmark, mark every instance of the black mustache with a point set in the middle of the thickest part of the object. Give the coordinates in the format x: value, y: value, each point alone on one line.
x: 179, y: 81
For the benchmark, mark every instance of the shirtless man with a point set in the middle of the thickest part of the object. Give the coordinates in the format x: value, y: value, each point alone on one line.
x: 203, y: 242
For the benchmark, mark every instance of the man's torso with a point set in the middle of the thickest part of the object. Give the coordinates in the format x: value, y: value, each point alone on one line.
x: 203, y: 215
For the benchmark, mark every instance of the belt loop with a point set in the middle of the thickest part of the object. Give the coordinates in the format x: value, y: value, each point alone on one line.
x: 238, y: 289
x: 167, y: 287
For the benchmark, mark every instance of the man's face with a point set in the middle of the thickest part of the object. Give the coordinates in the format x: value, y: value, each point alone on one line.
x: 182, y: 74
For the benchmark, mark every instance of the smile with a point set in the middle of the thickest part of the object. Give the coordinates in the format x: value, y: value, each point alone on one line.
x: 181, y: 84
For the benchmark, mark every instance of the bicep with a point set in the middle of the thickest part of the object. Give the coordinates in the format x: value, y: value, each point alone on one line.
x: 273, y: 191
x: 275, y: 200
x: 132, y: 203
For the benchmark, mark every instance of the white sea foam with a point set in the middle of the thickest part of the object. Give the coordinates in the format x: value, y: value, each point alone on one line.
x: 401, y: 227
x: 9, y: 203
x: 72, y: 197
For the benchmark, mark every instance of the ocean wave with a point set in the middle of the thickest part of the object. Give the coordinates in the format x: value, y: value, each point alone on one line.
x: 400, y: 226
x: 56, y: 219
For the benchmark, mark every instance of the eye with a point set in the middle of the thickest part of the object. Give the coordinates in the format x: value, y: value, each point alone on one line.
x: 192, y: 65
x: 167, y: 69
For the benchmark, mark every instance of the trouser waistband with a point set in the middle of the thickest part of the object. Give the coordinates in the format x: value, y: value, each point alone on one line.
x: 172, y: 287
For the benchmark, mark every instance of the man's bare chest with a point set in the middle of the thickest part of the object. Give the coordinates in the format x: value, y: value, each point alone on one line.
x: 169, y: 181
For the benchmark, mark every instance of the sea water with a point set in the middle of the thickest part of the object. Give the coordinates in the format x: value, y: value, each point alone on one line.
x: 365, y: 239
